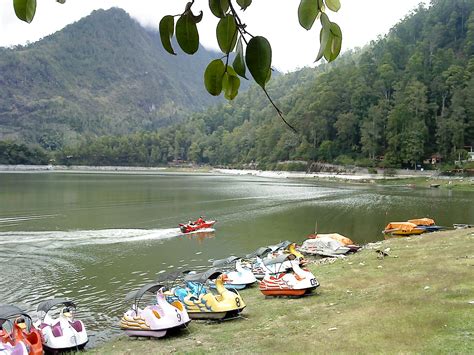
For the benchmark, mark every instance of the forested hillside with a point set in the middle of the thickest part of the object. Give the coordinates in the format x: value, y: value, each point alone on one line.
x: 104, y: 74
x: 402, y: 99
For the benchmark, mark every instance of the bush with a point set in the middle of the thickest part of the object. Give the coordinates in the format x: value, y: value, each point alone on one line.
x: 389, y: 172
x: 293, y: 166
x: 344, y: 160
x: 365, y: 162
x: 372, y: 170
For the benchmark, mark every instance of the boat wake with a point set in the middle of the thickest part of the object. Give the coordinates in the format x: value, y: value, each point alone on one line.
x: 68, y: 239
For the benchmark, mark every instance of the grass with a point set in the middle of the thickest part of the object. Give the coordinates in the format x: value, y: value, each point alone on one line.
x: 457, y: 183
x: 416, y: 300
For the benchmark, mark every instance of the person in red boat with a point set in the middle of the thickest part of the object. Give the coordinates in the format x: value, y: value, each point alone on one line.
x: 200, y: 220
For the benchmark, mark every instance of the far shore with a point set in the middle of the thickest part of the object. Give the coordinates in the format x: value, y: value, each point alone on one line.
x: 409, y: 178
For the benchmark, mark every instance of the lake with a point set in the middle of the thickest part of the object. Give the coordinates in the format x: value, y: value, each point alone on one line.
x: 93, y: 237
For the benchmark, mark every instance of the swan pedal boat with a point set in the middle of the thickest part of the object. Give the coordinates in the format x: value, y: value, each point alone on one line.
x: 64, y: 332
x: 18, y: 336
x: 202, y: 303
x: 289, y: 280
x: 239, y: 277
x: 154, y: 320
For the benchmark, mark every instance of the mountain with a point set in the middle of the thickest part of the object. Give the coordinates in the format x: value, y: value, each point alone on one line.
x: 405, y: 98
x: 104, y: 74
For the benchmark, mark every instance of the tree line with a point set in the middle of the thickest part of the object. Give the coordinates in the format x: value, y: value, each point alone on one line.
x: 402, y: 99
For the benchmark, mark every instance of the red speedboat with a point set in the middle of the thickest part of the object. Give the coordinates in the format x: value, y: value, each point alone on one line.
x: 200, y: 223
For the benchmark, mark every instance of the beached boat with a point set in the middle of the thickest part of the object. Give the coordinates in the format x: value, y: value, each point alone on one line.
x: 156, y: 319
x: 202, y: 303
x: 324, y: 246
x: 402, y: 229
x: 338, y: 237
x: 427, y: 224
x: 17, y: 332
x: 63, y: 332
x: 289, y: 279
x: 238, y: 276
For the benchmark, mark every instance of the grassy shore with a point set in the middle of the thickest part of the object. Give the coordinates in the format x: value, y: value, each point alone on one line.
x: 416, y: 300
x: 456, y: 183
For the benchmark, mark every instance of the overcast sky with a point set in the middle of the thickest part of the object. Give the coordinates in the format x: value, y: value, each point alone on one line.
x: 293, y: 47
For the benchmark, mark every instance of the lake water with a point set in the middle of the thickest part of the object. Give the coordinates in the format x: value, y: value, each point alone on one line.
x: 93, y: 237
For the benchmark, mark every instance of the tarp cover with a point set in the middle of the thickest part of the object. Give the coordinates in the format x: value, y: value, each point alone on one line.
x: 422, y: 221
x: 170, y: 276
x: 7, y: 311
x: 336, y: 236
x: 260, y: 252
x: 202, y: 277
x: 404, y: 226
x: 225, y: 261
x: 281, y: 245
x: 45, y: 306
x: 323, y: 242
x: 279, y: 259
x: 137, y: 294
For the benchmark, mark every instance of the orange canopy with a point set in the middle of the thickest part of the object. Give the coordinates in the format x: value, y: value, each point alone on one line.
x: 422, y: 221
x: 404, y: 226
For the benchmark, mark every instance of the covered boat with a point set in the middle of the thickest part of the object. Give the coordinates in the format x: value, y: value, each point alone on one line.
x: 427, y: 224
x: 198, y: 224
x: 63, y: 332
x: 338, y: 237
x: 202, y: 303
x: 17, y: 332
x: 403, y: 229
x: 289, y: 279
x: 324, y: 246
x: 154, y: 320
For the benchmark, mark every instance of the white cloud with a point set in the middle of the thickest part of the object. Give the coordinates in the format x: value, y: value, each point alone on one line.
x: 293, y: 47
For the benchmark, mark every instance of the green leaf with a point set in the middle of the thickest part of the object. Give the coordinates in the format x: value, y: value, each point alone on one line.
x: 336, y: 43
x: 239, y: 63
x: 269, y: 76
x: 325, y: 20
x: 219, y: 7
x: 327, y: 50
x: 258, y: 58
x: 166, y: 32
x: 307, y: 13
x: 333, y: 5
x: 226, y: 33
x: 244, y: 4
x: 25, y: 9
x: 187, y: 34
x: 230, y: 83
x: 196, y: 18
x: 213, y: 77
x: 324, y: 37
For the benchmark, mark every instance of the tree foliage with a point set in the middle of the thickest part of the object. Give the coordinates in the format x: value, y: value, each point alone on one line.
x: 231, y: 30
x: 404, y: 98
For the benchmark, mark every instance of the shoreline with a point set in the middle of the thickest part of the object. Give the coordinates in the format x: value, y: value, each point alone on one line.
x: 402, y: 291
x: 407, y: 178
x: 260, y: 173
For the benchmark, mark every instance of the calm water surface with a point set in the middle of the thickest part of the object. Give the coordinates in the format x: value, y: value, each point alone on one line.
x: 95, y: 236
